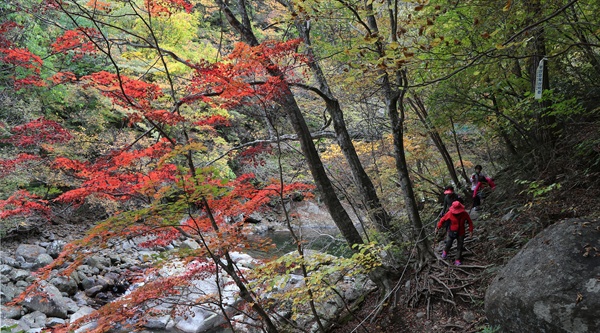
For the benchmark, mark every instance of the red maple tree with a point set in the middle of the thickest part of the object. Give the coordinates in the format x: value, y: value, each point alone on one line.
x: 173, y: 196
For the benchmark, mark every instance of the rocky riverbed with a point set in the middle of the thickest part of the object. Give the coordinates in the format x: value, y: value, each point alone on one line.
x: 106, y: 275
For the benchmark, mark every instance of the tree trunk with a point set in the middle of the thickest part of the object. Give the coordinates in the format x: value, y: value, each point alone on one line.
x: 419, y: 107
x: 545, y: 123
x: 288, y: 103
x: 394, y: 98
x: 364, y: 184
x: 395, y: 108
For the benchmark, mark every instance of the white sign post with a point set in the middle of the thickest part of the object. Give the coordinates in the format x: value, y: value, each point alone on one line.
x: 539, y: 79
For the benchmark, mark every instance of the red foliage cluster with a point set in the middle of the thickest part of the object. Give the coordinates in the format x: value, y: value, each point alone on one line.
x: 6, y: 27
x: 166, y: 7
x: 8, y: 166
x: 77, y: 42
x: 118, y: 176
x: 23, y: 58
x: 37, y: 132
x: 63, y: 77
x: 160, y: 237
x: 250, y: 155
x: 242, y: 198
x: 210, y: 123
x: 123, y: 90
x: 159, y: 116
x: 23, y: 203
x: 249, y: 72
x: 20, y: 58
x: 214, y: 120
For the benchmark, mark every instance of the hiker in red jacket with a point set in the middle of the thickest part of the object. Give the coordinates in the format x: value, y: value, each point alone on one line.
x: 457, y: 217
x: 479, y: 181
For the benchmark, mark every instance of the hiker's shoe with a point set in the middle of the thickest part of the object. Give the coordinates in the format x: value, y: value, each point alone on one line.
x: 444, y: 254
x: 457, y: 263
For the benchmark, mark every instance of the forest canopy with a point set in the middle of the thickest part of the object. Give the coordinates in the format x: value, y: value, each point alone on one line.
x: 176, y: 117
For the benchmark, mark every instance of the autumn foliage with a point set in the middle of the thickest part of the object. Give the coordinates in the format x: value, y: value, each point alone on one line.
x: 166, y: 191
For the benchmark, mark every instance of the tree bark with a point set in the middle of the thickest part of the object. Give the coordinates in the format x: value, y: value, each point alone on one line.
x: 381, y: 276
x: 394, y: 98
x: 419, y: 107
x: 544, y: 132
x: 376, y: 212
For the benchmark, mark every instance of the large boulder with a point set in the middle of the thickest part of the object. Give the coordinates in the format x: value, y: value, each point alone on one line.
x: 29, y: 252
x: 48, y: 301
x: 552, y: 284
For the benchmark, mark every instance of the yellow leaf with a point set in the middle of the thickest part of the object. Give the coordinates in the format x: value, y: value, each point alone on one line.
x: 507, y: 7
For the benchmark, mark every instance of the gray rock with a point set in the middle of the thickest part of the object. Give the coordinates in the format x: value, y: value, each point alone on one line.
x: 4, y: 279
x: 65, y: 284
x: 10, y: 312
x: 52, y: 321
x: 8, y: 291
x: 85, y: 271
x: 508, y: 216
x: 34, y: 319
x: 17, y: 326
x: 75, y: 277
x: 146, y: 256
x: 190, y: 244
x: 469, y: 316
x: 52, y: 304
x: 8, y: 260
x: 88, y: 282
x: 91, y: 292
x: 5, y: 269
x: 72, y: 306
x: 42, y: 260
x: 552, y: 284
x: 55, y: 248
x: 96, y: 283
x: 160, y: 322
x: 19, y: 274
x: 114, y: 258
x: 29, y: 252
x: 87, y: 327
x: 22, y: 283
x: 98, y: 262
x: 82, y: 312
x: 81, y: 299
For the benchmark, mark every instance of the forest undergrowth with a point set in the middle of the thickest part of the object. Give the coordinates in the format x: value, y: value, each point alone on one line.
x: 447, y: 298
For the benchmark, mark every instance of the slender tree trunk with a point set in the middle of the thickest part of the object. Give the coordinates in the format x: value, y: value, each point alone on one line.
x: 364, y: 184
x: 395, y: 108
x: 584, y: 44
x: 545, y: 133
x: 380, y: 275
x: 419, y: 107
x: 463, y: 172
x: 394, y: 98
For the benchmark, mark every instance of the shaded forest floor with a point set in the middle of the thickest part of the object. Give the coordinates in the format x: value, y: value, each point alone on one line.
x: 446, y: 298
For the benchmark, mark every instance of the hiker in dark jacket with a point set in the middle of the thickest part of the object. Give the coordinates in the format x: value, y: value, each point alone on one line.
x: 457, y: 217
x: 449, y: 197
